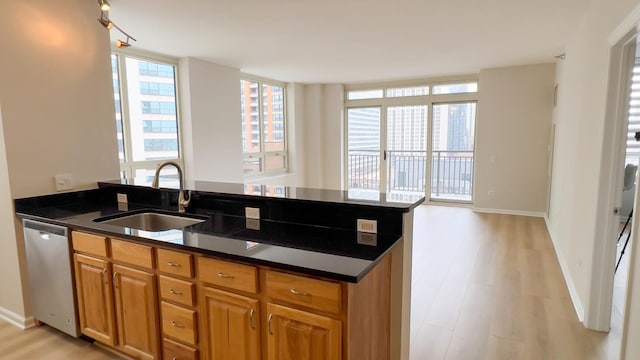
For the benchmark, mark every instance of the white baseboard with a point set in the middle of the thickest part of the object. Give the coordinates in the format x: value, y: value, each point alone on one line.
x: 573, y: 293
x: 17, y: 319
x: 509, y: 212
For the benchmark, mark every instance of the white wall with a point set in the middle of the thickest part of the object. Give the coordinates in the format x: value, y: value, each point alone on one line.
x: 580, y: 122
x: 512, y: 138
x: 210, y: 109
x: 57, y: 112
x: 323, y: 136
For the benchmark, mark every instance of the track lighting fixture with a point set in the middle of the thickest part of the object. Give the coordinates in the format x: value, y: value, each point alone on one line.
x: 106, y: 23
x: 109, y: 25
x: 104, y: 5
x: 125, y: 43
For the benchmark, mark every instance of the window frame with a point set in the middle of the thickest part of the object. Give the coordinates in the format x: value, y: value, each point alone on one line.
x: 262, y: 154
x: 129, y: 167
x: 429, y: 100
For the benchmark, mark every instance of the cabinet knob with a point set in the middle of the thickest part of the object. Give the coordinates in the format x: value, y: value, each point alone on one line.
x: 251, y: 319
x: 175, y: 292
x: 299, y: 293
x: 175, y: 324
x: 225, y: 276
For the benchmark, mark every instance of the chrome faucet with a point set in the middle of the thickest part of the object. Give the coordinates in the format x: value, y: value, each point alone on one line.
x: 182, y: 202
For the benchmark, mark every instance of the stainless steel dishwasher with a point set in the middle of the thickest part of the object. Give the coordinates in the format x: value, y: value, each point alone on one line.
x: 49, y: 265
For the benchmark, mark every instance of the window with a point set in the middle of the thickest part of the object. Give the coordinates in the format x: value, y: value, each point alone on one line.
x: 411, y: 140
x: 146, y: 114
x: 263, y: 127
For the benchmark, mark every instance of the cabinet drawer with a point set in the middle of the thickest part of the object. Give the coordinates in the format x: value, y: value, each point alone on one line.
x: 312, y: 293
x: 131, y: 253
x: 173, y: 351
x: 176, y: 290
x: 175, y: 263
x: 90, y: 244
x: 179, y: 323
x: 228, y: 274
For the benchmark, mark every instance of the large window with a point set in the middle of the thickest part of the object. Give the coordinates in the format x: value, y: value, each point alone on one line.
x: 411, y: 140
x: 263, y: 127
x: 146, y: 114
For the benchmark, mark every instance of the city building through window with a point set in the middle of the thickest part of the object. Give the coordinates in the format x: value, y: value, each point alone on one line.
x: 263, y: 127
x: 146, y: 115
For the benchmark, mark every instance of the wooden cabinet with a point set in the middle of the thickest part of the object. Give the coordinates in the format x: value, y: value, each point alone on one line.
x: 136, y: 312
x: 232, y: 325
x: 95, y: 298
x: 117, y: 303
x: 150, y: 302
x: 301, y: 335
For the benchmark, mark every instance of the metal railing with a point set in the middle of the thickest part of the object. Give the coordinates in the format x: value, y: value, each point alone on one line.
x: 451, y: 172
x: 364, y: 169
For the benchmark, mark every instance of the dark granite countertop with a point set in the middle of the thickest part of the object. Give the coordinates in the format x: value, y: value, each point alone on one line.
x: 369, y: 198
x: 332, y: 253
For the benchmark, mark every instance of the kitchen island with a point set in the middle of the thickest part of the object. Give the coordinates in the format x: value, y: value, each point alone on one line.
x: 302, y: 268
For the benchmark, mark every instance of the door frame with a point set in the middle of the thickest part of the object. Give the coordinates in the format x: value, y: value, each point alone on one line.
x: 597, y: 314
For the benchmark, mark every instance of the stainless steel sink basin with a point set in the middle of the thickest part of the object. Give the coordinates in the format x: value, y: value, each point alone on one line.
x: 151, y: 221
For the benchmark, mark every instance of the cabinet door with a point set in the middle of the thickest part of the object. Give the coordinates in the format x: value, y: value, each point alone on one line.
x: 136, y: 312
x: 95, y: 298
x: 231, y: 326
x: 299, y: 335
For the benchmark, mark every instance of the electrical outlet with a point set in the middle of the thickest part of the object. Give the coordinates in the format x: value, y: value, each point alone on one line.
x: 368, y: 226
x: 252, y: 213
x: 63, y: 182
x: 491, y: 193
x: 122, y: 198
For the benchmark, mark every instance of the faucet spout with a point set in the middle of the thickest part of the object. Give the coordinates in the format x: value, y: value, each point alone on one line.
x: 183, y: 202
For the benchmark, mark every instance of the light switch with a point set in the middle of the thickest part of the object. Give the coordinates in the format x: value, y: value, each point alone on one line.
x: 63, y: 182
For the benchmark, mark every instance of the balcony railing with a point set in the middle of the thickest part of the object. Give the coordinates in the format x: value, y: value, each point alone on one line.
x: 452, y: 175
x: 451, y: 172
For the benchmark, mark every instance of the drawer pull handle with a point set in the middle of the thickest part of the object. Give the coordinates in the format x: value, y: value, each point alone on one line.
x: 175, y: 324
x: 175, y: 292
x: 251, y: 319
x: 269, y: 323
x: 172, y: 264
x: 299, y: 293
x: 115, y: 279
x: 225, y: 276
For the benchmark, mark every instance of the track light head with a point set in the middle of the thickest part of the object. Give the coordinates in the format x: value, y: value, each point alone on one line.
x: 108, y: 24
x: 123, y: 43
x: 104, y: 5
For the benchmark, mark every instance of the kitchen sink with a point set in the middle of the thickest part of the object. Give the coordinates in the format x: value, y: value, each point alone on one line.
x: 151, y: 221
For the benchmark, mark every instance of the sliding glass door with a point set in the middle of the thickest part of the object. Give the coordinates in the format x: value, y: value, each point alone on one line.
x: 364, y: 151
x: 452, y: 154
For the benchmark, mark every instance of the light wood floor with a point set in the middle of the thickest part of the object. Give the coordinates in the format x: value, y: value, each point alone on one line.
x: 488, y: 286
x: 45, y: 343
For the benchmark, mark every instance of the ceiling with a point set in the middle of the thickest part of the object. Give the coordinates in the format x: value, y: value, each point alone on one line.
x: 352, y: 41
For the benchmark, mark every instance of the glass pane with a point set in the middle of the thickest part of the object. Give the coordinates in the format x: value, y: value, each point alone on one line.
x: 116, y: 96
x: 453, y: 136
x: 407, y: 150
x: 252, y: 165
x: 152, y: 110
x: 273, y: 118
x: 455, y: 88
x: 365, y: 94
x: 364, y: 148
x: 275, y: 162
x: 168, y: 176
x: 408, y: 91
x: 250, y: 110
